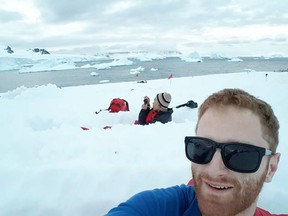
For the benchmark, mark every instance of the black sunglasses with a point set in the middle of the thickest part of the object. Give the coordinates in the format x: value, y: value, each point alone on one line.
x: 239, y: 157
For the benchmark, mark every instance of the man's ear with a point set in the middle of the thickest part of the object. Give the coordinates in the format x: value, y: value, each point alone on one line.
x: 272, y: 167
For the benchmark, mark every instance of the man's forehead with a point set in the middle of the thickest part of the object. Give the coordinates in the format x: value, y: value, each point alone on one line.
x: 230, y: 123
x: 222, y: 110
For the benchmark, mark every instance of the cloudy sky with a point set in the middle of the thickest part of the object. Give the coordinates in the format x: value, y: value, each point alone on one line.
x: 232, y: 27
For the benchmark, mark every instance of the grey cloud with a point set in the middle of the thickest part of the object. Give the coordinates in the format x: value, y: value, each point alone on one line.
x: 157, y: 16
x: 160, y: 14
x: 276, y: 39
x: 245, y: 12
x: 234, y: 41
x: 144, y: 22
x: 66, y: 11
x: 163, y: 14
x: 7, y: 17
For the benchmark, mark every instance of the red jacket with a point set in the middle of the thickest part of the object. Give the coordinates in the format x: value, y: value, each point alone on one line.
x: 262, y: 212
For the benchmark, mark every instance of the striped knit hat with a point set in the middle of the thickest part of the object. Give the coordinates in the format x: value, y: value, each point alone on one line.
x: 164, y: 99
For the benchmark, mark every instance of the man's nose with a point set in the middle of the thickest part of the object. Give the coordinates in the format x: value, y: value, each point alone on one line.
x: 216, y: 166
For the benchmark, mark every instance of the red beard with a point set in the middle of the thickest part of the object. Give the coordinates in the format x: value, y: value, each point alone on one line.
x: 241, y: 196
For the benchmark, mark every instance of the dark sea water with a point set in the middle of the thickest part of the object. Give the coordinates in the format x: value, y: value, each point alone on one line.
x: 10, y: 80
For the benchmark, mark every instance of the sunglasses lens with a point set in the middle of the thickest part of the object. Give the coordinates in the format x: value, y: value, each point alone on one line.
x: 241, y: 158
x: 199, y: 151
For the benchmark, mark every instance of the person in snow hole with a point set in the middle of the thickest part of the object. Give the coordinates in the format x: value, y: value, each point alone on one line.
x: 159, y: 111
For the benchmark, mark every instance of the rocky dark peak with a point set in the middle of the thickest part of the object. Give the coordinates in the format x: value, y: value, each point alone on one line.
x: 9, y: 50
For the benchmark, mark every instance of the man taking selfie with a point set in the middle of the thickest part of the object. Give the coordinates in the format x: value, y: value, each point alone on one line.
x: 233, y: 154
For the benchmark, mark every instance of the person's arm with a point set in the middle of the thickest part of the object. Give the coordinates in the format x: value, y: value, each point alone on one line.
x: 144, y: 111
x: 142, y: 116
x: 173, y: 201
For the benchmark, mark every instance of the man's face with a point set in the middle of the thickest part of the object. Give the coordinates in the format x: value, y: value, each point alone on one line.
x: 221, y: 191
x: 156, y: 105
